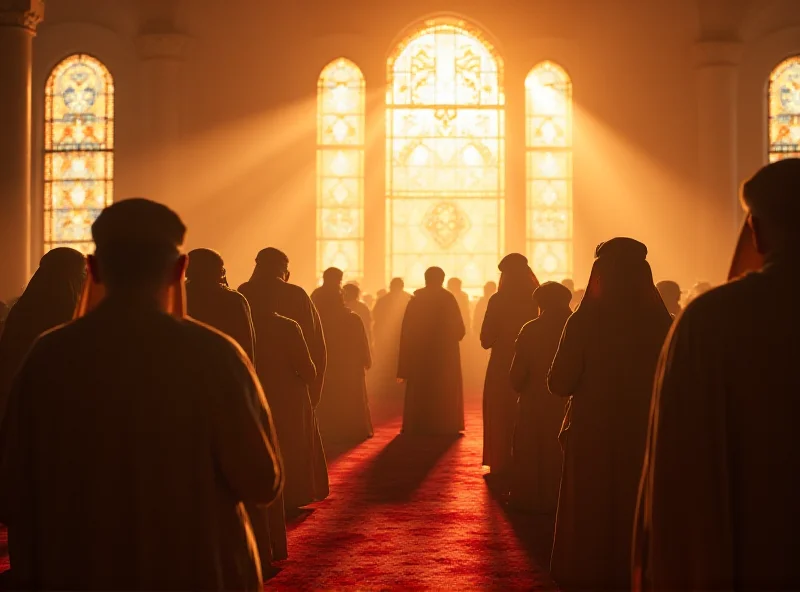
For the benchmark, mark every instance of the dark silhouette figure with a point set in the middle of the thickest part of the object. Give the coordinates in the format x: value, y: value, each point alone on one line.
x: 49, y: 300
x: 507, y: 312
x: 211, y: 301
x: 671, y: 295
x: 489, y: 289
x: 351, y: 294
x: 577, y: 298
x: 569, y: 284
x: 269, y: 292
x: 387, y: 323
x: 344, y: 411
x: 132, y: 474
x: 537, y: 453
x: 462, y: 298
x: 429, y: 360
x: 718, y: 503
x: 328, y: 297
x: 605, y: 363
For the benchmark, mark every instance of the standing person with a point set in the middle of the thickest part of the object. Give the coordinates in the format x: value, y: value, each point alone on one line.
x: 537, y: 453
x: 718, y: 502
x: 329, y: 294
x: 605, y: 364
x: 387, y: 323
x: 429, y: 361
x: 269, y: 292
x: 343, y: 411
x: 454, y: 286
x: 671, y: 295
x: 489, y: 289
x: 134, y: 477
x: 507, y: 312
x: 351, y: 294
x: 49, y: 300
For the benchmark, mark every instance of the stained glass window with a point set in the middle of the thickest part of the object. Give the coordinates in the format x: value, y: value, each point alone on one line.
x: 784, y: 110
x: 78, y: 150
x: 548, y: 132
x: 445, y: 156
x: 340, y: 169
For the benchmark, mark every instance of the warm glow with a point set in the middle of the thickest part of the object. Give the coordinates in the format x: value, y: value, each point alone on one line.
x: 549, y: 180
x: 445, y: 157
x: 79, y: 157
x: 340, y: 169
x: 784, y: 110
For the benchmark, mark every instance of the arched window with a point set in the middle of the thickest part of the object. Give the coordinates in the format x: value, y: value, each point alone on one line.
x: 548, y: 132
x: 340, y: 169
x: 784, y: 110
x: 78, y: 150
x: 445, y: 156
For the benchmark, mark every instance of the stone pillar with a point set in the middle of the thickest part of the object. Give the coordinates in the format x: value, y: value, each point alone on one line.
x: 716, y: 69
x: 162, y: 55
x: 18, y: 21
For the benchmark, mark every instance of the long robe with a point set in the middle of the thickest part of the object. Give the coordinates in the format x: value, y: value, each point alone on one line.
x: 537, y: 454
x: 343, y: 411
x: 132, y: 473
x: 506, y: 313
x: 272, y: 295
x: 362, y: 310
x: 607, y: 364
x: 387, y: 323
x: 718, y: 507
x: 430, y: 363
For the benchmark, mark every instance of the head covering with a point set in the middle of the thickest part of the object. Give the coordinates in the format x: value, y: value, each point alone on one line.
x: 134, y: 226
x: 206, y: 266
x: 516, y: 275
x: 551, y: 296
x: 271, y: 263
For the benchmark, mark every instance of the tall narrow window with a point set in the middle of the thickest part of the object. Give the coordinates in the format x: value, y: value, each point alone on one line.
x: 78, y: 150
x: 548, y: 91
x: 340, y: 169
x: 445, y: 156
x: 784, y: 110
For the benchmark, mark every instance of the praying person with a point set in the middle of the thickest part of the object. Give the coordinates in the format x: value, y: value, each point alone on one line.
x: 132, y: 474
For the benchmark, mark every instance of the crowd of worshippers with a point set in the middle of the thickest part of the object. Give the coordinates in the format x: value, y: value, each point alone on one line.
x: 140, y: 448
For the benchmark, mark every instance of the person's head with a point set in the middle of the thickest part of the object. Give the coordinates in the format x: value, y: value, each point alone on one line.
x: 368, y: 299
x: 396, y: 285
x: 670, y: 291
x: 772, y: 200
x: 453, y: 284
x: 137, y: 249
x: 434, y: 277
x: 57, y: 283
x: 332, y: 277
x: 516, y: 276
x: 351, y: 292
x: 272, y: 263
x: 552, y: 296
x: 380, y: 293
x: 206, y: 267
x: 568, y: 284
x: 489, y: 288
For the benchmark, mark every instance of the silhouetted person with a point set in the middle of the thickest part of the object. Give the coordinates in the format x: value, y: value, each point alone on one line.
x: 344, y: 411
x: 429, y: 361
x: 380, y: 293
x: 671, y: 295
x: 569, y: 284
x: 369, y: 301
x: 507, y: 312
x: 48, y: 301
x: 462, y: 298
x: 131, y: 475
x: 351, y: 294
x: 211, y: 301
x: 489, y: 288
x: 577, y: 298
x: 268, y: 291
x: 605, y: 363
x: 329, y: 295
x: 537, y: 452
x: 718, y: 506
x: 697, y: 290
x: 387, y: 323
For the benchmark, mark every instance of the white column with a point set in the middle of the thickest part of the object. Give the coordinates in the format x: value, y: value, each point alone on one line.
x: 18, y: 22
x: 716, y: 69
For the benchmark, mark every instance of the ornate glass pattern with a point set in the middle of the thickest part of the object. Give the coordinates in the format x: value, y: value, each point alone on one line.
x: 784, y: 110
x: 445, y: 156
x: 78, y: 150
x: 548, y: 92
x: 340, y: 169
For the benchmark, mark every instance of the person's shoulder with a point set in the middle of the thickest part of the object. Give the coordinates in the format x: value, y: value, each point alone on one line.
x: 725, y: 301
x: 283, y: 323
x: 209, y: 339
x: 60, y: 337
x: 233, y: 295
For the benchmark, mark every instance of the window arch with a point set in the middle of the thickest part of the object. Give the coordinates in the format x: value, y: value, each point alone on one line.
x: 78, y: 150
x: 548, y: 133
x: 340, y: 169
x: 445, y: 155
x: 784, y: 110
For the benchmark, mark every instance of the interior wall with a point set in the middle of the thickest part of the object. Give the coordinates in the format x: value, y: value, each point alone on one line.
x: 245, y: 156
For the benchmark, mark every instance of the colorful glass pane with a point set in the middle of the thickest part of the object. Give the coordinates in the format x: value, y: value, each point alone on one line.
x: 548, y: 99
x: 340, y: 169
x: 79, y: 150
x: 445, y: 156
x: 784, y: 110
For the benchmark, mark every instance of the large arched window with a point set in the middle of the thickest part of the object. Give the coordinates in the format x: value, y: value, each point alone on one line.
x: 548, y: 132
x: 445, y: 156
x: 340, y: 169
x: 78, y: 150
x: 784, y: 110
